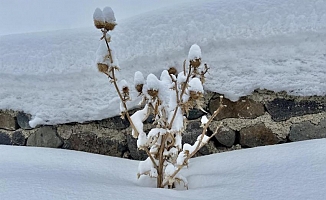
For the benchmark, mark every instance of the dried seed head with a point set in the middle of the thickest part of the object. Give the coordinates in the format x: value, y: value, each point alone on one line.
x: 173, y: 70
x: 109, y: 25
x: 98, y: 18
x: 109, y: 18
x: 139, y: 88
x: 152, y: 93
x: 104, y: 68
x: 125, y: 90
x: 195, y: 62
x: 195, y: 95
x: 99, y: 24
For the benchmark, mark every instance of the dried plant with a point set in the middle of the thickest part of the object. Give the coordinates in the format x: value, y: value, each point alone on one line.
x: 168, y: 99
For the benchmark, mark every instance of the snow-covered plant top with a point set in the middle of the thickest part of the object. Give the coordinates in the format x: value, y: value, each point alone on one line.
x: 104, y: 19
x: 98, y: 15
x: 108, y: 15
x: 139, y: 78
x: 194, y: 52
x: 167, y: 99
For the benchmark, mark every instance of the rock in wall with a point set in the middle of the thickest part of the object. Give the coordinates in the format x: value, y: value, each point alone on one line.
x: 262, y: 118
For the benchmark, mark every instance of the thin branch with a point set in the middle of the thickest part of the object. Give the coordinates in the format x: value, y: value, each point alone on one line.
x: 107, y: 45
x: 161, y: 162
x: 184, y: 67
x: 123, y: 102
x: 200, y: 142
x: 205, y: 129
x: 180, y: 98
x: 151, y: 157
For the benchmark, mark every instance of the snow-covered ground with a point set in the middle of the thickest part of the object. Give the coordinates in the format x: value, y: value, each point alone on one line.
x: 249, y: 44
x: 295, y: 171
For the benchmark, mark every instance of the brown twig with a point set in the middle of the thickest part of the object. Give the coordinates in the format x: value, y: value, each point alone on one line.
x: 161, y: 162
x: 151, y: 157
x: 114, y: 80
x: 180, y: 98
x: 199, y: 143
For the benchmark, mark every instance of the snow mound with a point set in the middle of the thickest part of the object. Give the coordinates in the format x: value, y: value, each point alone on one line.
x: 288, y: 171
x: 277, y: 45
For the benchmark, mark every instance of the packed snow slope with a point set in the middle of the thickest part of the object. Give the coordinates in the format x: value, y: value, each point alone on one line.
x: 294, y: 171
x: 248, y: 44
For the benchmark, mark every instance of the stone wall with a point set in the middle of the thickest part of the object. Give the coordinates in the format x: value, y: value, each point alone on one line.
x: 262, y: 118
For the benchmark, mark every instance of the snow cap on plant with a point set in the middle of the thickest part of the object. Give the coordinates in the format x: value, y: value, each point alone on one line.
x: 196, y: 88
x: 109, y: 19
x: 102, y: 58
x: 165, y: 77
x: 153, y: 85
x: 123, y: 86
x: 173, y: 70
x: 194, y: 55
x: 203, y: 120
x: 139, y: 81
x: 98, y: 18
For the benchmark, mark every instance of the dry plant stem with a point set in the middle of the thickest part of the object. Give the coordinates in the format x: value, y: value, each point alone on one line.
x: 116, y: 85
x: 161, y: 162
x: 123, y: 102
x: 184, y: 67
x: 128, y: 116
x: 152, y: 159
x: 121, y: 98
x: 205, y: 129
x: 188, y: 157
x: 107, y: 45
x: 199, y: 143
x: 185, y: 86
x: 180, y: 99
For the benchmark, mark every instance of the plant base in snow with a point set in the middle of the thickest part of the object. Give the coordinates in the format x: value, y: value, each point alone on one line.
x: 168, y: 98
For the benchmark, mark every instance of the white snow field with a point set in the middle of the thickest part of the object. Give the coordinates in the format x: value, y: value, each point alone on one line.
x: 294, y: 171
x: 248, y: 44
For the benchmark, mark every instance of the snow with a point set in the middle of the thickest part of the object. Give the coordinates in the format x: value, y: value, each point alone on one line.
x: 152, y: 82
x: 102, y: 53
x: 98, y: 15
x: 294, y: 171
x: 196, y: 85
x: 194, y: 52
x: 203, y: 120
x: 248, y: 44
x: 138, y: 78
x: 108, y: 14
x: 123, y: 84
x: 137, y: 119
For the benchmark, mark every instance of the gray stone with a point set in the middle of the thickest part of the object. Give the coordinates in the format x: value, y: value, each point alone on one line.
x: 23, y: 120
x: 90, y: 142
x: 135, y: 153
x: 18, y: 138
x: 307, y: 131
x: 45, y: 136
x: 244, y: 108
x: 225, y: 136
x: 195, y: 114
x: 115, y: 123
x: 190, y: 135
x: 257, y: 135
x: 4, y: 138
x: 8, y: 122
x: 66, y: 144
x: 283, y: 109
